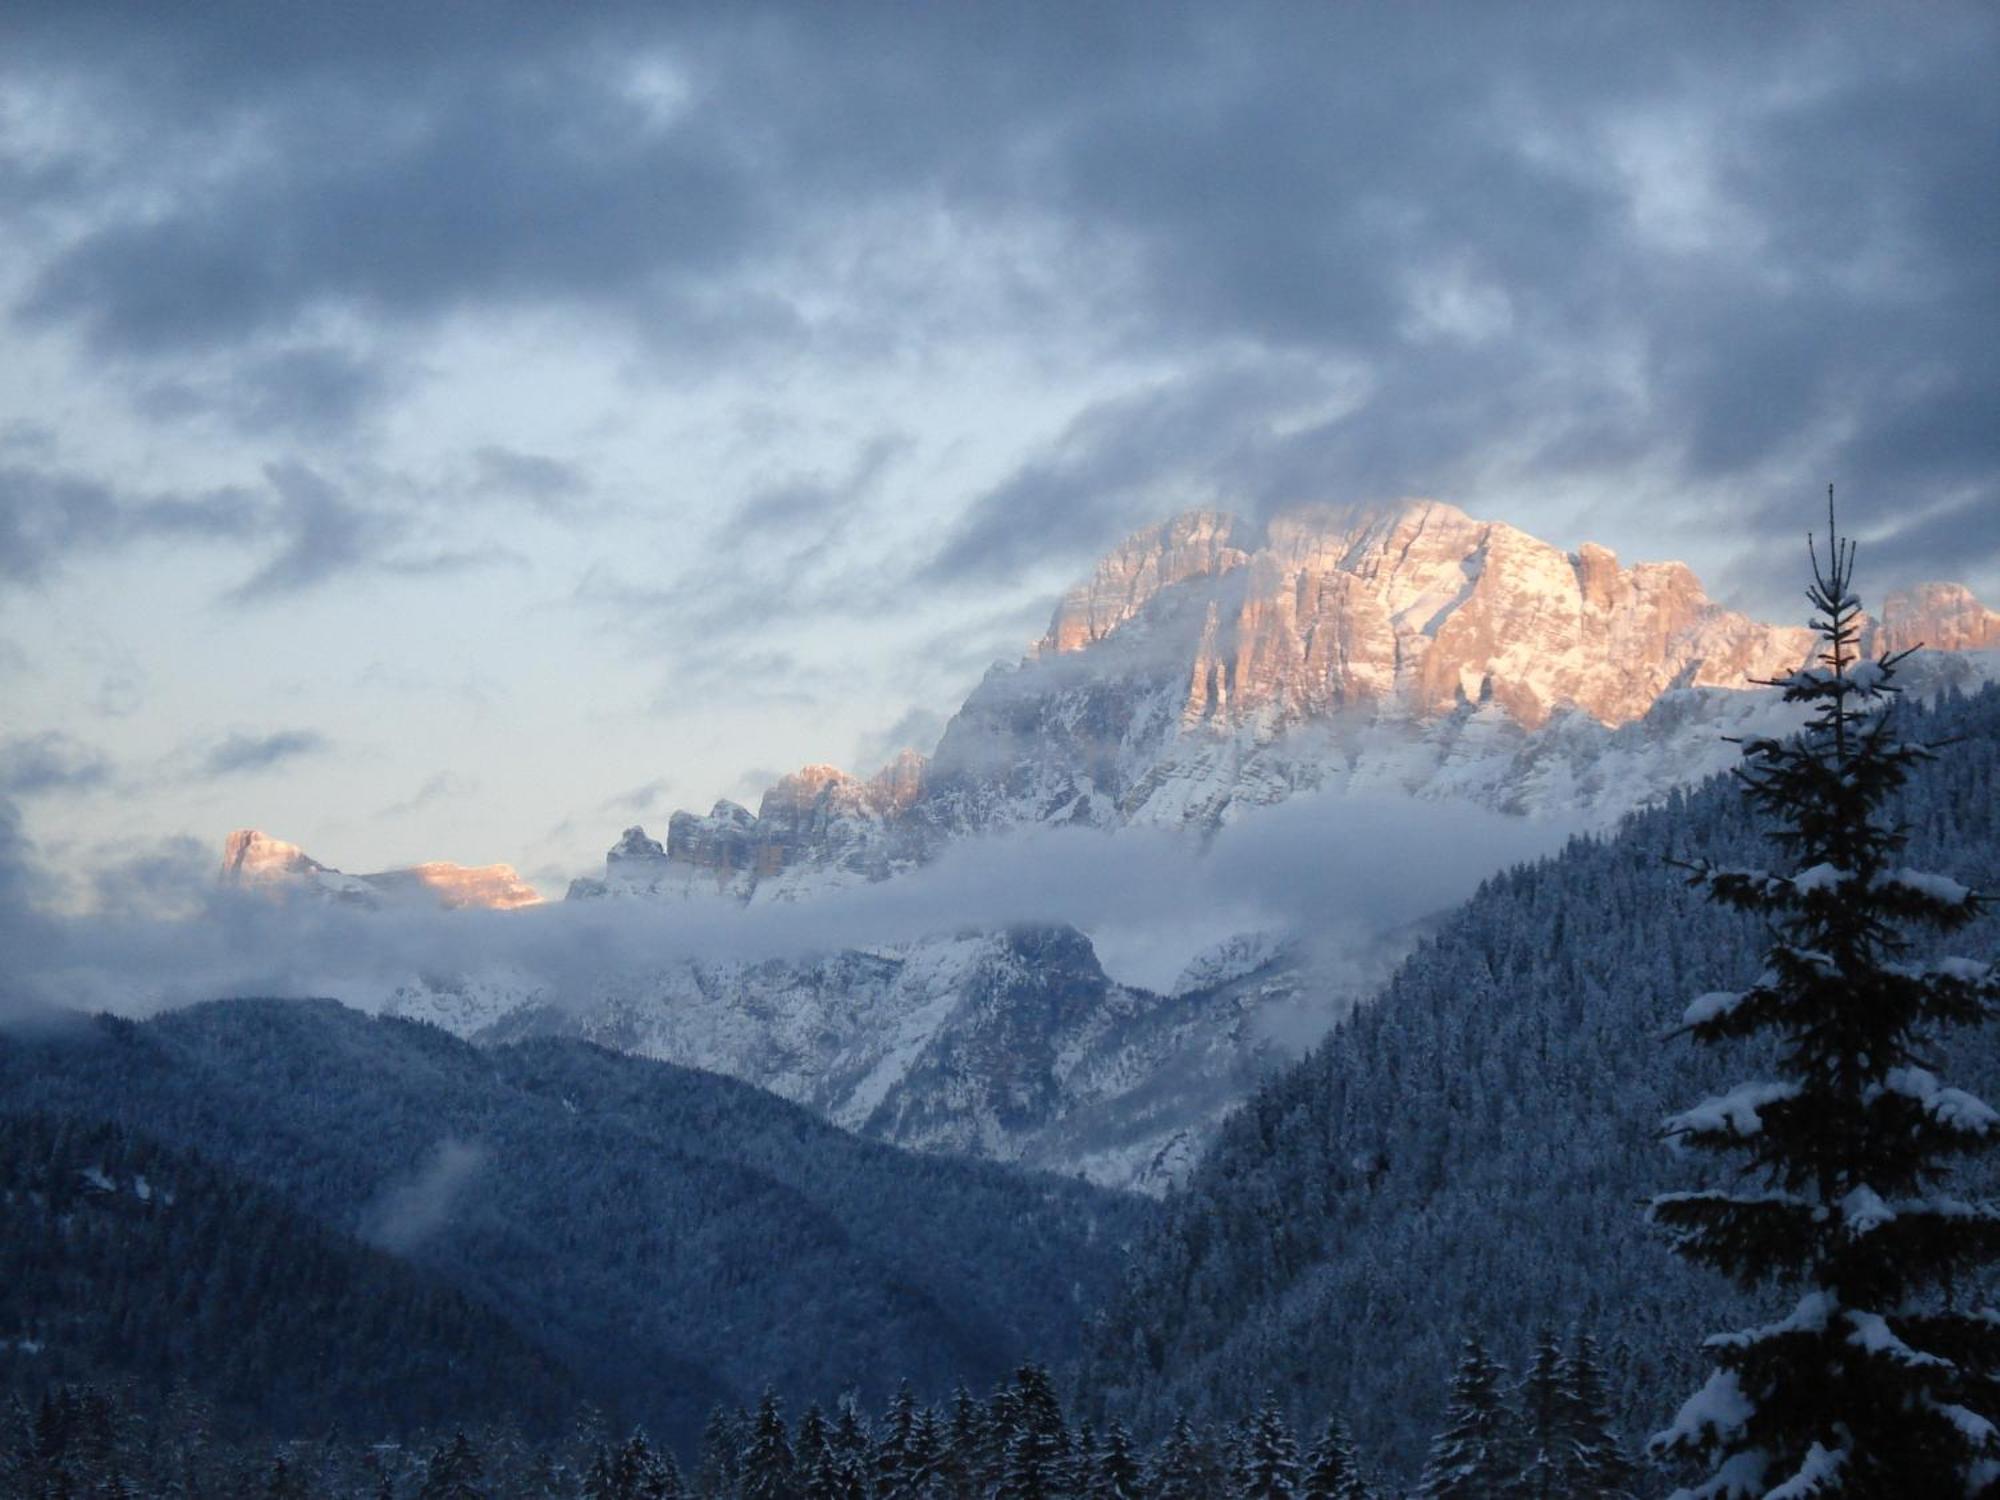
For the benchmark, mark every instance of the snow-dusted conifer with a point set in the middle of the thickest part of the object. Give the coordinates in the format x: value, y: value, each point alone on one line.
x: 1599, y: 1467
x: 721, y: 1449
x: 1182, y: 1469
x: 1333, y: 1472
x: 769, y: 1470
x: 893, y: 1458
x: 1545, y: 1460
x: 964, y: 1439
x: 812, y: 1454
x: 454, y: 1472
x: 1271, y: 1459
x: 1035, y: 1464
x: 1115, y: 1474
x: 1878, y: 1382
x: 1474, y: 1456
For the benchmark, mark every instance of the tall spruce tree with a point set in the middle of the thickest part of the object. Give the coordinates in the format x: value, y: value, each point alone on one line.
x: 1598, y: 1466
x: 454, y: 1472
x: 769, y: 1470
x: 1474, y: 1457
x: 1333, y: 1471
x: 1183, y: 1469
x: 1880, y: 1381
x: 1549, y: 1467
x: 1115, y: 1475
x: 1271, y: 1460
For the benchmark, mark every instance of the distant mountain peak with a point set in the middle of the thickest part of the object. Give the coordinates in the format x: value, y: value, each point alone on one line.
x: 250, y: 854
x: 1211, y: 663
x: 1940, y: 616
x: 254, y: 860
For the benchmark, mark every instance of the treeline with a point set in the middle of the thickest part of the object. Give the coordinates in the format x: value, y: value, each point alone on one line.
x: 1544, y: 1437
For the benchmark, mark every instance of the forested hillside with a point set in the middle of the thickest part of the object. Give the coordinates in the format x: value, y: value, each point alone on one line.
x: 673, y: 1238
x: 126, y: 1262
x: 1470, y: 1152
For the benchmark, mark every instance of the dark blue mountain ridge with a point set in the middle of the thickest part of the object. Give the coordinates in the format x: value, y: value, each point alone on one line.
x: 671, y: 1237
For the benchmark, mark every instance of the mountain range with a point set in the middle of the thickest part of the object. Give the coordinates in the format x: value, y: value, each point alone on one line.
x: 1208, y: 669
x: 653, y: 1238
x: 1211, y: 665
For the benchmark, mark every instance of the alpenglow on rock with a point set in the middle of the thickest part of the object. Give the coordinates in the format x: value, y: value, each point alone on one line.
x: 256, y: 861
x: 818, y: 818
x: 1210, y: 665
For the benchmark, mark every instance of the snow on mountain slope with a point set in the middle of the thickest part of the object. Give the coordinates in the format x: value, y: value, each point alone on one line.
x: 1208, y: 671
x: 1210, y: 665
x: 1011, y: 1045
x: 256, y: 861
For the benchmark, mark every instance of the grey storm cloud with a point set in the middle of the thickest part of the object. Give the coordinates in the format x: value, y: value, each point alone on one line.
x: 324, y: 534
x: 308, y: 526
x: 243, y: 753
x: 545, y: 482
x: 32, y: 765
x: 48, y: 515
x: 1735, y: 243
x: 286, y: 393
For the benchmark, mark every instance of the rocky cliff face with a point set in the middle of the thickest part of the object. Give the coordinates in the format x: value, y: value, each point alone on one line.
x: 817, y: 822
x: 1210, y: 665
x: 256, y: 861
x: 1938, y: 616
x: 1413, y: 609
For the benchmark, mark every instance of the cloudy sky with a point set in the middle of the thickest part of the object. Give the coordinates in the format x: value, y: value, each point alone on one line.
x: 461, y: 431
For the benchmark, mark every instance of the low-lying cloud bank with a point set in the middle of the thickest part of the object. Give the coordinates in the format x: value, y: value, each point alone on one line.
x: 1340, y: 872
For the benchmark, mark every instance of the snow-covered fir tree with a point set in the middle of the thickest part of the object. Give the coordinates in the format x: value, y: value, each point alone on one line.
x: 894, y: 1447
x: 1036, y: 1461
x: 1540, y: 1399
x: 1598, y: 1464
x: 1182, y: 1469
x: 1474, y: 1457
x: 1116, y: 1474
x: 454, y: 1472
x: 1271, y: 1457
x: 1333, y: 1472
x: 1880, y: 1380
x: 769, y: 1470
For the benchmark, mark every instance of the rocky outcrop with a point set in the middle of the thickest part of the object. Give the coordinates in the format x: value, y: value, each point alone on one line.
x: 1416, y: 609
x: 1937, y: 616
x: 1210, y: 664
x: 254, y: 860
x: 818, y: 820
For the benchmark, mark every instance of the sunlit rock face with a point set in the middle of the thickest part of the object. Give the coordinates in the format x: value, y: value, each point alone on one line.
x: 493, y: 887
x: 250, y: 856
x: 818, y: 826
x: 256, y: 861
x: 1417, y: 607
x: 1210, y: 665
x: 1938, y: 616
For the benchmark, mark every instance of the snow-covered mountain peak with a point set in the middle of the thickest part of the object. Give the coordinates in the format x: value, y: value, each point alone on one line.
x: 254, y: 860
x: 1940, y: 616
x: 1196, y: 544
x: 1412, y: 608
x: 250, y: 855
x: 1211, y: 664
